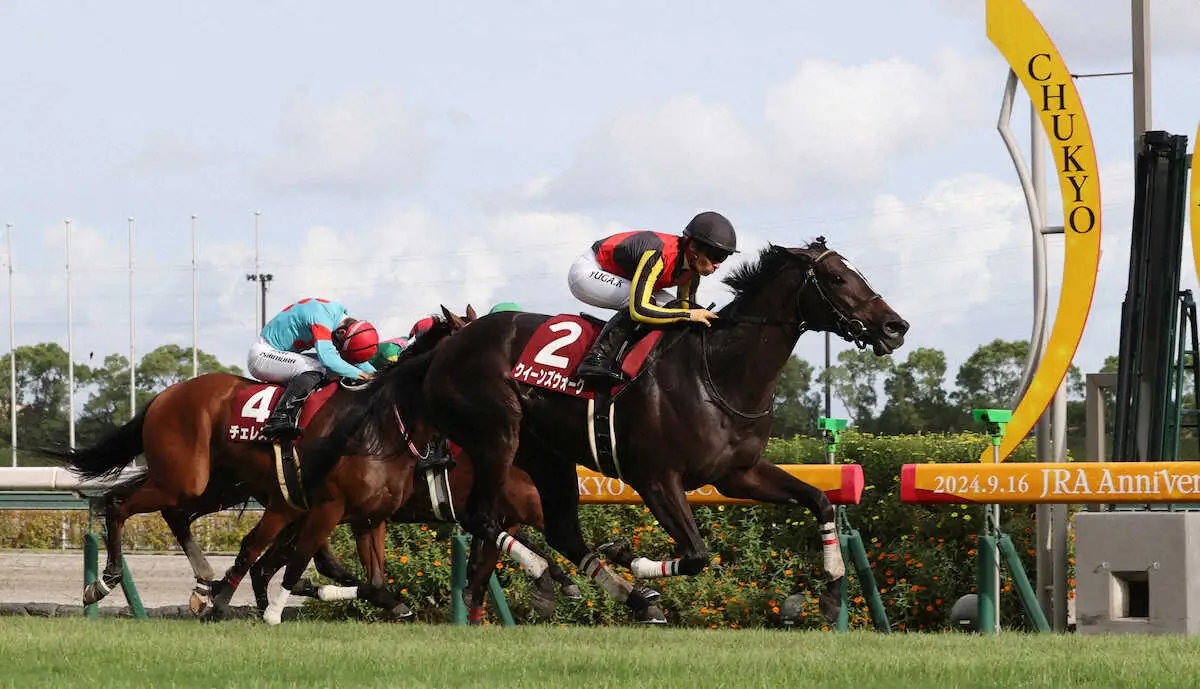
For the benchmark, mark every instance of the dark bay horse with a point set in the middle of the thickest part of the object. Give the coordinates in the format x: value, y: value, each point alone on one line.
x: 698, y: 413
x: 192, y: 468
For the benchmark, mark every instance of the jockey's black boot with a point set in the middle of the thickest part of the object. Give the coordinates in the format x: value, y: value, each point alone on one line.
x: 287, y: 411
x: 600, y: 363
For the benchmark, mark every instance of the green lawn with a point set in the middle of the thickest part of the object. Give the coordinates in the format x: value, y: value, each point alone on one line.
x: 159, y: 653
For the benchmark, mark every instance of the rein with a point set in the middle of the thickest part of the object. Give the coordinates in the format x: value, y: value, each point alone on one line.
x: 408, y: 439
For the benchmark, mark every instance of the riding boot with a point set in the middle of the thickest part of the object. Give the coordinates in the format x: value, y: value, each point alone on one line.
x: 284, y: 419
x: 600, y: 363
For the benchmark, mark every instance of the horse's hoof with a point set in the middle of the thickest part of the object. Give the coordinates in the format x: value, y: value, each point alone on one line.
x: 618, y: 552
x: 646, y: 595
x: 571, y: 592
x: 273, y: 617
x: 543, y: 596
x: 831, y: 600
x: 651, y: 615
x: 95, y: 592
x: 198, y: 603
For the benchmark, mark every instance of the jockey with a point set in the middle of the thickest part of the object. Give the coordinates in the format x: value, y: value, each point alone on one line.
x: 343, y: 346
x: 630, y: 272
x: 388, y: 352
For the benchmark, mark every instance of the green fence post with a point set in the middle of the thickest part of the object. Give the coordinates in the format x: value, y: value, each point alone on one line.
x: 458, y: 579
x: 1021, y: 582
x: 131, y: 592
x: 985, y: 583
x: 843, y: 619
x: 91, y: 568
x: 501, y: 602
x: 866, y: 581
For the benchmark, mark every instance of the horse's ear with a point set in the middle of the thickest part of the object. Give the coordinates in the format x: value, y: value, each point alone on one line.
x: 471, y: 313
x: 446, y: 312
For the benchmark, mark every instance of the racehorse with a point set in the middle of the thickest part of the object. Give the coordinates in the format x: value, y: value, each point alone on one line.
x: 699, y: 412
x: 193, y: 468
x: 365, y: 490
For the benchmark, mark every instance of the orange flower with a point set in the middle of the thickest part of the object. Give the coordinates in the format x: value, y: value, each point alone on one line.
x: 437, y: 563
x: 404, y: 559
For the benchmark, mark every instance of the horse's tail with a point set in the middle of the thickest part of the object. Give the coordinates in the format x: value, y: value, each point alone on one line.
x: 108, y: 457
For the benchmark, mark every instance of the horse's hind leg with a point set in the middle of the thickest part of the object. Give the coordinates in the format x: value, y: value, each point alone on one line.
x: 558, y: 485
x: 766, y: 482
x: 147, y: 497
x: 180, y: 521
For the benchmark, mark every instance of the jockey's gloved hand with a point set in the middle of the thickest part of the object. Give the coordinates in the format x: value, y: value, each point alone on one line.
x: 702, y: 316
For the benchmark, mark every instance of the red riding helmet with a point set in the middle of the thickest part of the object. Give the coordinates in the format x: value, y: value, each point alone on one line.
x: 420, y: 327
x: 360, y: 342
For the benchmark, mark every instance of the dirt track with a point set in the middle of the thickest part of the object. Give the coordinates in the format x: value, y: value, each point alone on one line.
x: 31, y: 576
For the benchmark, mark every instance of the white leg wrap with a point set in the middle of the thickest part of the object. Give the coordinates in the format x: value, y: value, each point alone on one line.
x: 337, y: 592
x: 832, y: 550
x: 645, y: 568
x: 273, y: 615
x: 534, y: 564
x: 605, y: 578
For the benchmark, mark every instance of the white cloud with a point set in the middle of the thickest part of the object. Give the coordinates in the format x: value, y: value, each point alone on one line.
x: 367, y: 143
x: 827, y: 126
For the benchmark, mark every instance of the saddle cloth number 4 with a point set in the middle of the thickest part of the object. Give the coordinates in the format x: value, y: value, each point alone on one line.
x: 258, y: 407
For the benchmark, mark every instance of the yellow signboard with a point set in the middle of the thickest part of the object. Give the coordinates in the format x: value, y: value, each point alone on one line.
x: 1194, y: 201
x: 1050, y: 482
x: 1024, y: 43
x: 841, y: 483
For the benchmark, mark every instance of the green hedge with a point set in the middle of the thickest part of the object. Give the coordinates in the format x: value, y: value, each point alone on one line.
x: 923, y: 557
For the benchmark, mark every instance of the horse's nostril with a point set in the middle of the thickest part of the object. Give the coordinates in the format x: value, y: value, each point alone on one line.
x: 895, y: 328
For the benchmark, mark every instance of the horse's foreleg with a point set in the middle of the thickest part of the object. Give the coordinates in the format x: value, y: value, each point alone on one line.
x: 766, y: 482
x: 480, y: 565
x: 668, y: 502
x: 372, y: 552
x: 253, y: 544
x: 271, y: 561
x: 318, y: 523
x: 543, y: 593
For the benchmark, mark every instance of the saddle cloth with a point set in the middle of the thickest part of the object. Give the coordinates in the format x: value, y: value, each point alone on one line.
x: 554, y: 352
x: 253, y: 405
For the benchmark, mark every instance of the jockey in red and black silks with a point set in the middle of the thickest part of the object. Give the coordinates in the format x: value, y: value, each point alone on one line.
x: 631, y: 271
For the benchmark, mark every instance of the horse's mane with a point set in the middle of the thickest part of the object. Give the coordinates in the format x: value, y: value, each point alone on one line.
x: 750, y: 278
x: 367, y: 413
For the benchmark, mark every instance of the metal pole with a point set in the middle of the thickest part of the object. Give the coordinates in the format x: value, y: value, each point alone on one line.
x: 132, y: 351
x: 1141, y: 72
x: 70, y: 350
x: 828, y: 411
x: 258, y: 271
x: 195, y: 308
x: 1045, y: 450
x: 12, y: 351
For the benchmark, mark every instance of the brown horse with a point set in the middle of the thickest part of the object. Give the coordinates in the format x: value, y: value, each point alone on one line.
x: 364, y: 491
x: 192, y: 468
x: 698, y: 413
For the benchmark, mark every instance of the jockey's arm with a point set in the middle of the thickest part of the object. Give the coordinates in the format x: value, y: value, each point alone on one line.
x: 328, y: 355
x: 367, y: 367
x: 686, y: 293
x: 641, y: 305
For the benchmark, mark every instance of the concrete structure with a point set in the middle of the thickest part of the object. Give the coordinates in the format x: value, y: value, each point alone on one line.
x: 1137, y: 572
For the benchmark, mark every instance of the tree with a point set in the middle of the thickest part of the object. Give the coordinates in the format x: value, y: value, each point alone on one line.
x: 916, y: 396
x: 42, y: 393
x: 855, y: 381
x: 159, y: 369
x: 797, y: 405
x: 990, y: 377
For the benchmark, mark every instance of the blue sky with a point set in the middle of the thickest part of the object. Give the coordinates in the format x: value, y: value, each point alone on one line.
x: 405, y: 155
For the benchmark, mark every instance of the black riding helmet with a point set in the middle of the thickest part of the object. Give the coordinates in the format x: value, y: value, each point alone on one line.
x: 714, y: 233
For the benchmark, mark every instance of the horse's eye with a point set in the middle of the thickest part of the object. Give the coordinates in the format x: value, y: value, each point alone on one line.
x: 839, y: 280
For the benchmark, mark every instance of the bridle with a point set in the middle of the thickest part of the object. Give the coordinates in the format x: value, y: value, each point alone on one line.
x: 846, y: 325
